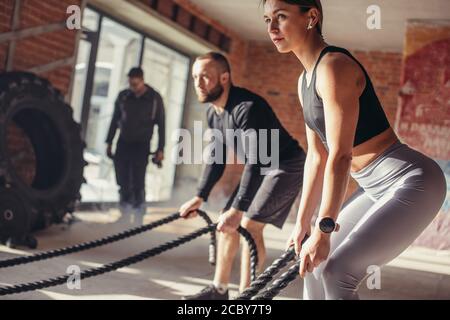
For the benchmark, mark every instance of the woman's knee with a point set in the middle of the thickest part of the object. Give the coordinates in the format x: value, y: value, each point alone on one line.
x: 337, y: 272
x: 340, y: 279
x: 331, y: 270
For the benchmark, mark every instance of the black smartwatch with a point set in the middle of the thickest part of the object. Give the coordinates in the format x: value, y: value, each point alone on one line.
x: 327, y: 225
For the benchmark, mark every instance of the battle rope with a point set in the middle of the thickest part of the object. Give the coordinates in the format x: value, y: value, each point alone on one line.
x: 20, y: 288
x: 279, y: 284
x: 264, y: 278
x: 110, y: 239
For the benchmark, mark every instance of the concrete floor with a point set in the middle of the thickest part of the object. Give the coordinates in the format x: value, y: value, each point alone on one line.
x: 417, y: 274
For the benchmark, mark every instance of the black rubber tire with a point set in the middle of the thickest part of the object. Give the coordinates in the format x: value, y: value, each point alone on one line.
x: 16, y: 215
x: 40, y: 111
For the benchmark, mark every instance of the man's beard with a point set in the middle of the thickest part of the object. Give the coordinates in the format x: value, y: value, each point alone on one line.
x: 212, y: 95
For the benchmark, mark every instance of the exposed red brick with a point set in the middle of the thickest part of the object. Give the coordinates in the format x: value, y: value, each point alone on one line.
x: 21, y: 153
x: 3, y: 53
x: 6, y: 9
x: 43, y: 49
x: 36, y: 12
x: 424, y: 112
x: 60, y: 78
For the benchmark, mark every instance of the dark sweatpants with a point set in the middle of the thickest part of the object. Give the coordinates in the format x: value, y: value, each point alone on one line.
x: 130, y: 162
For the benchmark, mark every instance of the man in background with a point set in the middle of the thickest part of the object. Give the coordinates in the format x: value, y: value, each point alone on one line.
x: 137, y: 110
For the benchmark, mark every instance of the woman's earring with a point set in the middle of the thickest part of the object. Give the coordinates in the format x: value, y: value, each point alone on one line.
x: 310, y: 26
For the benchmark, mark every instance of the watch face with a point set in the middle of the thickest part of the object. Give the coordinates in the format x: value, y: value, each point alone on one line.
x: 327, y: 225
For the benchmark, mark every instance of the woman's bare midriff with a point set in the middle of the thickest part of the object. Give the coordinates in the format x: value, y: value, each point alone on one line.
x: 368, y: 151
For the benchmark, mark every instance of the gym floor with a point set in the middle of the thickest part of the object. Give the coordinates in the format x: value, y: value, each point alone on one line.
x: 417, y: 274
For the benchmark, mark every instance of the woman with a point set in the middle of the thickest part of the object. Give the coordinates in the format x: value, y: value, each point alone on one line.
x: 348, y: 134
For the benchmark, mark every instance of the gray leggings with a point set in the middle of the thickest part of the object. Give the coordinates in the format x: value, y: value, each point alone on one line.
x: 401, y: 192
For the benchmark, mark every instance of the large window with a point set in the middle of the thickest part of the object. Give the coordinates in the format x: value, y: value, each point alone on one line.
x: 167, y: 72
x: 90, y: 23
x: 118, y: 51
x: 109, y: 50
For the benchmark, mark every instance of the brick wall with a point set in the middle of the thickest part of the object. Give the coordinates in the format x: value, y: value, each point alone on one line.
x: 37, y: 12
x: 21, y: 153
x: 384, y: 69
x: 277, y: 83
x: 43, y: 49
x: 424, y: 115
x: 424, y: 112
x: 238, y: 47
x: 6, y: 7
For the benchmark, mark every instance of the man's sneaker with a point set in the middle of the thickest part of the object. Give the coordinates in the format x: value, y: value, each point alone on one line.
x: 208, y: 293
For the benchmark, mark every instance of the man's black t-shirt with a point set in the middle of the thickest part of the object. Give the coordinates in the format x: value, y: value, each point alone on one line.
x: 245, y: 111
x: 136, y: 117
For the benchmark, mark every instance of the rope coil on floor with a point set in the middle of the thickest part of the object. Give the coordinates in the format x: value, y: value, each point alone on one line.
x: 20, y: 288
x: 107, y: 240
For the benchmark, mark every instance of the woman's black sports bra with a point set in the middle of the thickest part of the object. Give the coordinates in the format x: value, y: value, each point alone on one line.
x: 371, y: 121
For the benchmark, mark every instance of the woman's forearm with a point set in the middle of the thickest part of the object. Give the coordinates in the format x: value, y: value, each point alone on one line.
x: 335, y: 185
x: 312, y: 187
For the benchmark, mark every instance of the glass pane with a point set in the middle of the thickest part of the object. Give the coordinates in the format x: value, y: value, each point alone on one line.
x: 167, y: 72
x: 84, y: 50
x: 118, y: 51
x: 90, y: 19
